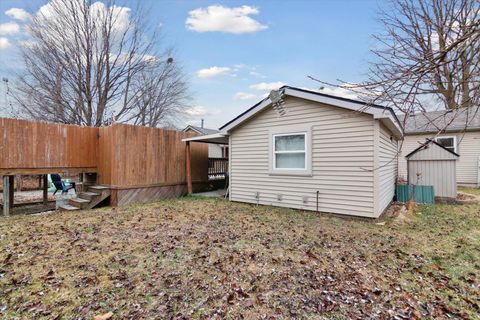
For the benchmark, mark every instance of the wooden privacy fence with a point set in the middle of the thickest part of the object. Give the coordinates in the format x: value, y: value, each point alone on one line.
x: 150, y: 162
x: 29, y: 147
x: 141, y: 163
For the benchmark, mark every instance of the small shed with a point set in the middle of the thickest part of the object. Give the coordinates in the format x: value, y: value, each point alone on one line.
x: 434, y: 165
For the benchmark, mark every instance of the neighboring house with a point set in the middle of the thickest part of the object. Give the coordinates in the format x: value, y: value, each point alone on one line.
x: 315, y: 152
x: 460, y: 134
x: 214, y: 150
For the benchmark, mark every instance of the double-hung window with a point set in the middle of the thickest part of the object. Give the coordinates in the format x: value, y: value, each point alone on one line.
x: 449, y: 143
x: 290, y: 151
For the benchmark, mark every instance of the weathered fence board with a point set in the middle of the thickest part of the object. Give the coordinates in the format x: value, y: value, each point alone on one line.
x: 133, y: 156
x: 139, y: 163
x: 35, y: 147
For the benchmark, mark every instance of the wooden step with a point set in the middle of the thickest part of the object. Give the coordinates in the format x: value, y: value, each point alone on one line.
x: 67, y: 207
x: 98, y: 187
x: 88, y: 195
x: 87, y: 199
x: 79, y: 203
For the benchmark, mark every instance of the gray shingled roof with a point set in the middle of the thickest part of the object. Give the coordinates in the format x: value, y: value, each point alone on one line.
x: 200, y: 130
x: 455, y: 120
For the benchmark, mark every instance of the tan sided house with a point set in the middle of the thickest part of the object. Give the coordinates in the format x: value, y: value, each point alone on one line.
x: 307, y: 150
x: 460, y: 133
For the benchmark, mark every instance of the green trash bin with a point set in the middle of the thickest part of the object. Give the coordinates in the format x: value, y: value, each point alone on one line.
x: 423, y: 194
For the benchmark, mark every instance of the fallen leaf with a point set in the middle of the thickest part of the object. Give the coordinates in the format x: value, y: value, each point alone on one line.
x: 103, y: 316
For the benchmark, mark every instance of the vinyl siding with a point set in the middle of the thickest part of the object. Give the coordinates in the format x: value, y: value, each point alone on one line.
x: 342, y: 149
x: 214, y: 150
x: 437, y: 173
x: 387, y: 168
x: 468, y: 149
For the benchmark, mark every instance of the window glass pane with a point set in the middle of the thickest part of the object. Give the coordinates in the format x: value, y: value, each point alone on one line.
x: 448, y: 143
x: 295, y: 142
x: 290, y: 160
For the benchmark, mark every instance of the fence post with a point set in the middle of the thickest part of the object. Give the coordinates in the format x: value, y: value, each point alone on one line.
x: 11, y: 191
x: 6, y: 195
x: 189, y: 170
x: 45, y: 189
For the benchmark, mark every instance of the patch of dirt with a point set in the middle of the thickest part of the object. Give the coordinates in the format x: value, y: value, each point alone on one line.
x: 467, y: 198
x: 28, y: 197
x: 33, y: 182
x: 213, y: 259
x: 26, y: 183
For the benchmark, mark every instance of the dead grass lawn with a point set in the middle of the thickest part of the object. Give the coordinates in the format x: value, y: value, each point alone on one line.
x: 207, y: 258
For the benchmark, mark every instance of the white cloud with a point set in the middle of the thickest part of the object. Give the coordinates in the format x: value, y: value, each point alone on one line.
x: 267, y: 85
x: 59, y: 12
x: 19, y: 14
x: 4, y: 43
x: 245, y: 96
x: 197, y: 111
x: 9, y: 28
x: 240, y: 66
x: 257, y: 74
x: 212, y: 72
x: 200, y: 111
x: 342, y: 91
x: 223, y: 19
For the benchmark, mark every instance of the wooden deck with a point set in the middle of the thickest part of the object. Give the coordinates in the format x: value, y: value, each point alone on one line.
x: 124, y: 157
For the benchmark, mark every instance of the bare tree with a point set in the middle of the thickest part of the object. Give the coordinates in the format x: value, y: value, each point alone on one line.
x: 84, y: 61
x: 161, y: 94
x: 427, y: 52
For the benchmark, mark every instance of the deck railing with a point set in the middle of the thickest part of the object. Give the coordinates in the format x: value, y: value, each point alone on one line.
x: 217, y: 168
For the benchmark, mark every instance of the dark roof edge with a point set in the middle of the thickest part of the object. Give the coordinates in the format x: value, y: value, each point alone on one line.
x: 199, y: 130
x: 241, y: 114
x: 452, y: 130
x: 323, y: 95
x: 427, y: 143
x: 191, y: 128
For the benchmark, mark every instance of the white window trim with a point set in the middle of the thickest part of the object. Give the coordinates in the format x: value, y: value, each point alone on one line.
x: 304, y: 151
x: 287, y: 131
x: 455, y: 146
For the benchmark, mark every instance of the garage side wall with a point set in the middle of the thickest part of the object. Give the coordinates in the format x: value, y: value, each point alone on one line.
x: 387, y: 168
x: 342, y: 144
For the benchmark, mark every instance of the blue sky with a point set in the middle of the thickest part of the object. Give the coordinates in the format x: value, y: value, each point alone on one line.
x: 268, y: 43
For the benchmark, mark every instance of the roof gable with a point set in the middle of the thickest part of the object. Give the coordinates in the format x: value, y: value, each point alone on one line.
x: 378, y: 112
x: 432, y: 150
x: 200, y: 130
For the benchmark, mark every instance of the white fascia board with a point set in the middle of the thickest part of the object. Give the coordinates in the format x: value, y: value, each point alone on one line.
x: 378, y: 113
x: 219, y: 138
x: 391, y: 124
x: 265, y: 103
